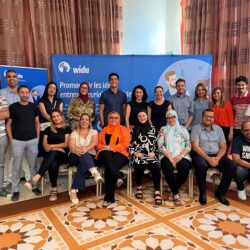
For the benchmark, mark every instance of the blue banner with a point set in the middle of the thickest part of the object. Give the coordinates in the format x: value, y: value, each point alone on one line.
x: 149, y: 71
x: 35, y: 78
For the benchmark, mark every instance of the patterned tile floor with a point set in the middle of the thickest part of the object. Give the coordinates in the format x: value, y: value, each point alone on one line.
x: 129, y: 224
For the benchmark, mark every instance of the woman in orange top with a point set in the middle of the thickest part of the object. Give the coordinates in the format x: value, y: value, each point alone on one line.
x: 223, y: 113
x: 113, y: 143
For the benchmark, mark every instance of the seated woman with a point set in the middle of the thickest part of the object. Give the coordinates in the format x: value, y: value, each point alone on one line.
x: 55, y: 143
x: 113, y: 143
x: 82, y: 145
x: 174, y: 144
x: 143, y: 148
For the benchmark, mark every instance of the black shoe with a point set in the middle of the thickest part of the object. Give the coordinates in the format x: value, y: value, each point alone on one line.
x: 36, y: 191
x: 221, y: 198
x: 15, y: 196
x: 203, y: 199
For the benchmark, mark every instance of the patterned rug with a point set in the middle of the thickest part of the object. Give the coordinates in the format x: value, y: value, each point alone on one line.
x: 129, y: 224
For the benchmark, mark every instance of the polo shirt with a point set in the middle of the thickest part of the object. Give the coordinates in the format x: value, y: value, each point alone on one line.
x: 240, y: 105
x: 113, y: 102
x: 184, y: 107
x: 209, y: 141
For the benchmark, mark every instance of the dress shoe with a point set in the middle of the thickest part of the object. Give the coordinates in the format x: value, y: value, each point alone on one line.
x: 15, y: 196
x: 221, y: 198
x: 203, y: 199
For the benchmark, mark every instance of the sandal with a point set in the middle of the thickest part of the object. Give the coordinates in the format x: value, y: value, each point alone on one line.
x: 158, y: 199
x: 177, y: 200
x: 138, y: 194
x: 171, y: 197
x: 106, y: 203
x: 53, y: 196
x: 74, y: 201
x: 29, y: 184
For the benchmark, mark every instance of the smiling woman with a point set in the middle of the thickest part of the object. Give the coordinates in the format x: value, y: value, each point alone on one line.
x: 113, y: 154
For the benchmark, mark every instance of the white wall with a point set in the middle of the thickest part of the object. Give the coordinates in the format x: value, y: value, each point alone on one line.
x: 151, y: 27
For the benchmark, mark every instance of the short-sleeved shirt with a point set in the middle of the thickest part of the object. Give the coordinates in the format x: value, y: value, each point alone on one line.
x: 84, y: 142
x: 136, y: 107
x: 158, y: 113
x: 50, y: 106
x: 241, y: 147
x: 209, y: 141
x: 23, y: 121
x: 12, y: 97
x: 184, y: 107
x: 199, y: 106
x: 240, y: 105
x: 3, y: 105
x: 113, y: 102
x: 56, y: 138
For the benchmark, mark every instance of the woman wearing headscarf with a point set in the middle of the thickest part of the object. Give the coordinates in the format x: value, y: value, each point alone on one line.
x: 143, y: 151
x: 81, y: 105
x: 113, y: 143
x: 174, y: 144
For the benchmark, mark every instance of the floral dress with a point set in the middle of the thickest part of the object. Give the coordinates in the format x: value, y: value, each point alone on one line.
x: 76, y: 108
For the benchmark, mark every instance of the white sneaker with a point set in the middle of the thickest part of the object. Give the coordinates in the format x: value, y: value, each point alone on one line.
x: 242, y: 194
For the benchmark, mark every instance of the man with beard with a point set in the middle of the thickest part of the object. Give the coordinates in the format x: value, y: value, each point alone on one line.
x: 241, y: 157
x: 23, y: 130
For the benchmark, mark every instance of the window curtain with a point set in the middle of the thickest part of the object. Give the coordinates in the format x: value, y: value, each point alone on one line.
x: 220, y: 28
x: 11, y: 32
x: 32, y: 30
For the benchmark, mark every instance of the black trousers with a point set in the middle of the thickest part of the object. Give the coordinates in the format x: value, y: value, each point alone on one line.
x: 51, y: 162
x: 155, y: 171
x: 226, y: 166
x: 112, y: 162
x: 175, y: 181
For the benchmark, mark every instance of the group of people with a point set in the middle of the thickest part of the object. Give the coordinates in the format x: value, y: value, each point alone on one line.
x: 171, y: 135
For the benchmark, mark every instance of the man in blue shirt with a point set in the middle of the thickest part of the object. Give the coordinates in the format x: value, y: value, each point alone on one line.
x: 209, y: 151
x: 183, y: 104
x: 112, y: 99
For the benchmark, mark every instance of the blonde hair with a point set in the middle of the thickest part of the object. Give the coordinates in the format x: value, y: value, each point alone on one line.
x: 201, y: 84
x: 222, y: 99
x: 52, y: 124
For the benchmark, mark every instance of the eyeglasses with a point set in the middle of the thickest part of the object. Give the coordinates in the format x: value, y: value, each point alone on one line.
x: 209, y: 116
x: 170, y: 118
x: 84, y: 88
x: 113, y: 117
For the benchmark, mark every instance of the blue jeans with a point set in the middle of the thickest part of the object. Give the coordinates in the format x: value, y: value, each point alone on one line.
x: 242, y: 174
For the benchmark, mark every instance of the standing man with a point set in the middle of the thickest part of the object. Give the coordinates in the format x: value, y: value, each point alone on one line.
x: 4, y: 114
x: 240, y: 103
x: 11, y: 95
x: 23, y: 130
x: 112, y: 99
x: 241, y: 157
x: 209, y: 146
x: 183, y: 104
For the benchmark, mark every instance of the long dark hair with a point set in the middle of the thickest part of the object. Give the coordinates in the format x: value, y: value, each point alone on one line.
x: 45, y: 93
x: 145, y: 95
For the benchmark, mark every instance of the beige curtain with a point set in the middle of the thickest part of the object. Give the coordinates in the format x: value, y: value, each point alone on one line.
x: 35, y: 29
x: 11, y: 32
x: 220, y: 28
x: 99, y: 26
